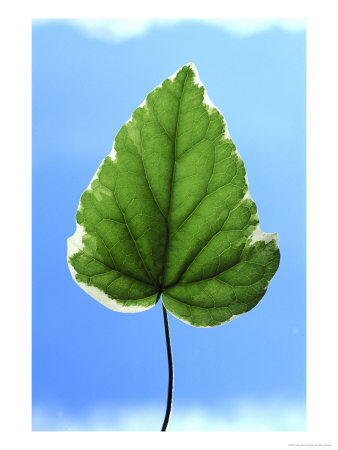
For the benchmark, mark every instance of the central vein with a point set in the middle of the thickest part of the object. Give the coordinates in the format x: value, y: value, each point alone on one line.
x: 166, y: 251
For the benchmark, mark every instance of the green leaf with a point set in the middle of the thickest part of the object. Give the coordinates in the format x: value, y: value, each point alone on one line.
x: 168, y: 213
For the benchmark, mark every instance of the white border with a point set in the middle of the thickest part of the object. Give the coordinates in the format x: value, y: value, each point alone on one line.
x: 322, y: 119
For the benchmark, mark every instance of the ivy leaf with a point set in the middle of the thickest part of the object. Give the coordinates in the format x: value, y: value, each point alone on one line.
x: 169, y: 213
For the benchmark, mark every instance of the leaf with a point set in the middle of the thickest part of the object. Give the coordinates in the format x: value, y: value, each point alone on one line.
x: 169, y: 213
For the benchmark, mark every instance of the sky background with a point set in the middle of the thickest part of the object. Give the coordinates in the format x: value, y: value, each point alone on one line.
x: 96, y: 369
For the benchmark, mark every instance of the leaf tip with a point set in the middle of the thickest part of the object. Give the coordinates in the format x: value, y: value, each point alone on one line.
x: 192, y: 66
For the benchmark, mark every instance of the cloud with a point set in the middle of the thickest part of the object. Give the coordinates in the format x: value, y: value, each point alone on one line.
x: 243, y: 415
x: 248, y: 27
x: 119, y: 30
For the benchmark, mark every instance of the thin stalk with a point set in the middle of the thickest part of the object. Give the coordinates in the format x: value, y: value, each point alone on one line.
x: 171, y: 371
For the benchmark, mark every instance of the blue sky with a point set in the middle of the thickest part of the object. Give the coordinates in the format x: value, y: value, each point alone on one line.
x: 97, y: 369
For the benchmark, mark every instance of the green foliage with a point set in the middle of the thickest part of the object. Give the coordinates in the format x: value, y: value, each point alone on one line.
x: 168, y: 213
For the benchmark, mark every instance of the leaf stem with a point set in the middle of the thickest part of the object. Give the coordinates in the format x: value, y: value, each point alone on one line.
x: 171, y: 371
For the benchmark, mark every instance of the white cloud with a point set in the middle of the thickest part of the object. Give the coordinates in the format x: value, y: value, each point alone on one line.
x: 244, y: 415
x: 248, y: 27
x: 119, y: 30
x: 113, y: 30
